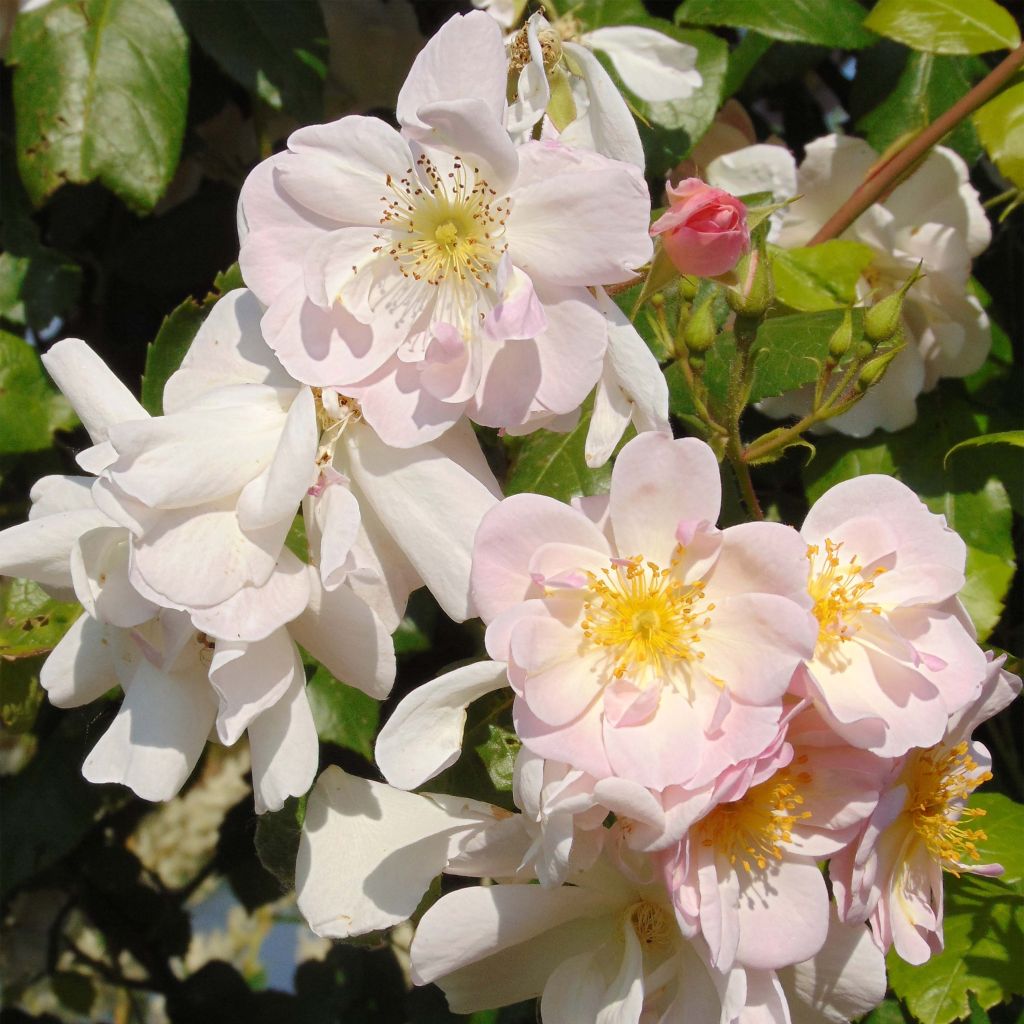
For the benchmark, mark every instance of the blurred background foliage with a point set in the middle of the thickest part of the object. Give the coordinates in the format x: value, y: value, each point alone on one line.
x: 127, y: 130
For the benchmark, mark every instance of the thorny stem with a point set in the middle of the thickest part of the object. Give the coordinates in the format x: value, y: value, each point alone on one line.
x: 882, y: 177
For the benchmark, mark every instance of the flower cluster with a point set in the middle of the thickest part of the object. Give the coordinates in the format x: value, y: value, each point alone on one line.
x: 397, y: 280
x: 740, y: 704
x: 703, y: 715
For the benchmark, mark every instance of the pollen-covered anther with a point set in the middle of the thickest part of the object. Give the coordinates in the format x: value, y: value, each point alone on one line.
x: 334, y: 412
x: 838, y: 590
x: 644, y: 615
x: 550, y: 40
x: 751, y: 831
x: 942, y: 780
x: 444, y: 225
x: 651, y: 925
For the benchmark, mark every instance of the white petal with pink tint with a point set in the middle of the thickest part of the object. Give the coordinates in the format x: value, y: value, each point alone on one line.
x: 656, y: 484
x: 571, y: 215
x: 283, y: 744
x: 423, y: 736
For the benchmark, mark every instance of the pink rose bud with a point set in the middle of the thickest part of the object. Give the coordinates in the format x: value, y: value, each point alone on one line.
x: 704, y: 230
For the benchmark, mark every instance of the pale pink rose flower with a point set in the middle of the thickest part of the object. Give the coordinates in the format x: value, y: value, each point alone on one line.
x: 704, y: 231
x: 896, y: 655
x: 441, y: 270
x: 892, y: 876
x: 746, y: 874
x: 653, y: 647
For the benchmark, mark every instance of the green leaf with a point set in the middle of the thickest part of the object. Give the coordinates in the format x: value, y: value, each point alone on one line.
x: 31, y: 625
x: 598, y: 13
x: 1011, y: 437
x: 1000, y: 123
x: 821, y: 276
x: 889, y: 1012
x: 31, y: 622
x: 176, y: 334
x: 409, y: 638
x: 21, y: 696
x: 945, y: 26
x: 553, y: 464
x: 1003, y: 824
x: 266, y: 46
x: 75, y: 991
x: 794, y: 348
x: 37, y: 283
x: 472, y: 774
x: 100, y: 92
x: 789, y: 352
x: 742, y: 60
x: 31, y: 409
x: 968, y: 494
x: 167, y: 350
x: 927, y: 87
x: 498, y: 753
x: 277, y: 839
x: 296, y: 541
x: 343, y: 714
x: 48, y: 806
x: 984, y: 947
x: 672, y: 129
x: 823, y: 22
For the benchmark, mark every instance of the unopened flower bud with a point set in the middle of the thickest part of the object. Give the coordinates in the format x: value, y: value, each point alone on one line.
x: 842, y: 338
x: 882, y: 320
x: 704, y: 230
x: 872, y: 371
x: 688, y: 287
x: 863, y: 350
x: 754, y: 295
x: 701, y: 330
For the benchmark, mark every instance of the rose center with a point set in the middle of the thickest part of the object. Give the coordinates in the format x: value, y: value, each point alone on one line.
x: 646, y: 618
x: 750, y: 831
x: 651, y: 925
x: 941, y: 781
x: 838, y: 590
x: 444, y: 227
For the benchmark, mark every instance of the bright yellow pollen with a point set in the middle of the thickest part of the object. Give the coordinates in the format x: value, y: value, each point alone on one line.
x: 644, y: 616
x: 838, y: 591
x: 751, y: 830
x: 444, y: 227
x: 446, y: 234
x: 940, y: 779
x: 651, y: 925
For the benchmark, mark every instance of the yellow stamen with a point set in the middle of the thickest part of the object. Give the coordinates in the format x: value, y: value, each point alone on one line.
x: 838, y: 591
x: 940, y: 779
x: 644, y: 616
x: 444, y: 226
x: 751, y: 830
x: 651, y: 924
